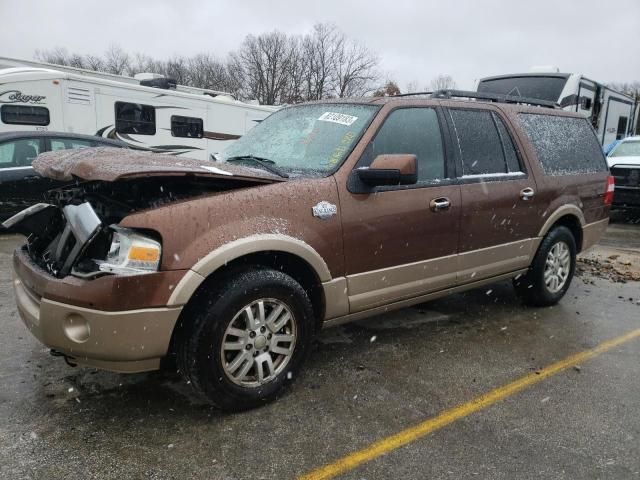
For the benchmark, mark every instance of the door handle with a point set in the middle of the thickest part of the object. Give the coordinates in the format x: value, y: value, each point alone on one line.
x: 440, y: 203
x: 527, y: 193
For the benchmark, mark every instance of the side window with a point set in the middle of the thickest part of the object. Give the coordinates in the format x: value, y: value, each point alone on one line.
x: 564, y: 145
x: 135, y: 118
x: 483, y: 150
x: 19, y: 153
x: 24, y: 115
x: 414, y: 131
x: 68, y: 143
x: 188, y: 127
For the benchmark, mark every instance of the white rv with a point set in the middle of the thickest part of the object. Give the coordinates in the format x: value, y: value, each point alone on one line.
x: 614, y: 115
x: 148, y: 112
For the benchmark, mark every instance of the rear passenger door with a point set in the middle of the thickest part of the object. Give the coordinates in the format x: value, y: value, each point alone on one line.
x: 498, y: 221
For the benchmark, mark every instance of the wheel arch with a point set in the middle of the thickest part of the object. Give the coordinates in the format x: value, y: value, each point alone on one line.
x: 569, y: 216
x: 280, y: 252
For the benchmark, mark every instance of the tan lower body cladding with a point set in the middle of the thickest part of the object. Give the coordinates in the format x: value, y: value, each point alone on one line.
x: 125, y: 341
x: 373, y: 289
x: 370, y: 293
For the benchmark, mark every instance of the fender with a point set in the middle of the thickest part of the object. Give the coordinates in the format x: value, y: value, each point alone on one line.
x: 566, y: 209
x: 239, y: 248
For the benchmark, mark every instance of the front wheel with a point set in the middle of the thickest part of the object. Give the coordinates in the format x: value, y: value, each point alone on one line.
x: 551, y: 271
x: 248, y: 340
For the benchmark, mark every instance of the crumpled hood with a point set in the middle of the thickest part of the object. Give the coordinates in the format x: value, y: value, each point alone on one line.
x: 631, y: 160
x: 113, y: 164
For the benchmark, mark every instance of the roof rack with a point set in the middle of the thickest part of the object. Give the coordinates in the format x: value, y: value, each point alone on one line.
x: 412, y: 94
x: 492, y: 97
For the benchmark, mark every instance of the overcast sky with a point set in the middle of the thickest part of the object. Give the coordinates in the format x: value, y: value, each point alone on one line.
x: 416, y: 40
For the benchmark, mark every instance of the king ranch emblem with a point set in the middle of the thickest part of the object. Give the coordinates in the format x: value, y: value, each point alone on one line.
x: 324, y: 210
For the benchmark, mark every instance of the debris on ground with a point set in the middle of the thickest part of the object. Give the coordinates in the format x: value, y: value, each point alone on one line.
x: 613, y: 270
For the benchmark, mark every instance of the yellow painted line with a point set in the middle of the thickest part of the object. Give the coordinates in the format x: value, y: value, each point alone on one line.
x: 386, y: 445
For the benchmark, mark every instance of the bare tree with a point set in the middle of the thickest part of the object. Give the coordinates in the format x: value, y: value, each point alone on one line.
x: 412, y: 87
x: 320, y: 49
x: 205, y: 71
x: 57, y: 56
x: 355, y: 69
x: 443, y: 82
x: 93, y: 62
x: 265, y: 61
x: 116, y: 60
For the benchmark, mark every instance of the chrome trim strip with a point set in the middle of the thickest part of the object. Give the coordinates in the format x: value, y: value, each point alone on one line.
x: 18, y: 217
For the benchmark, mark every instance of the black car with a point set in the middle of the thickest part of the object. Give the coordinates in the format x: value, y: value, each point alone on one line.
x: 20, y: 185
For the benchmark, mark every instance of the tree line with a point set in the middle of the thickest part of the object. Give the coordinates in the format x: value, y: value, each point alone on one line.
x: 273, y: 67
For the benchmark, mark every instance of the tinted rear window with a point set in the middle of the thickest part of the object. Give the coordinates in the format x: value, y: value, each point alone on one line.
x: 564, y: 145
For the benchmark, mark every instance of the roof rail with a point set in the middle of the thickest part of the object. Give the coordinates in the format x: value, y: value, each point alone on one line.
x: 493, y: 97
x: 412, y: 94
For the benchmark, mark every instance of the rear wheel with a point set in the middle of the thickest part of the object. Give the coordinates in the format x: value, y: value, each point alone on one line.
x: 248, y: 339
x: 551, y: 271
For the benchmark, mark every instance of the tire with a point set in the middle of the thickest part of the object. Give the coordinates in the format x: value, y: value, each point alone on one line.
x: 532, y: 287
x: 241, y: 376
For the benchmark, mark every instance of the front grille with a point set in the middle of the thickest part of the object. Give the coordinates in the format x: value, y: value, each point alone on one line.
x: 626, y: 177
x: 57, y: 247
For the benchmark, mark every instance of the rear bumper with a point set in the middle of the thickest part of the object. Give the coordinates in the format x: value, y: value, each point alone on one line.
x: 626, y: 197
x: 131, y: 339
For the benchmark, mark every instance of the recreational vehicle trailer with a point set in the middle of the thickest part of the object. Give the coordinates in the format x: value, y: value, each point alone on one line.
x: 147, y: 113
x: 614, y: 115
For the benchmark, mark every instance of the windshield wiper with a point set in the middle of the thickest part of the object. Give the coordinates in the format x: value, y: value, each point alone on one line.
x: 265, y: 163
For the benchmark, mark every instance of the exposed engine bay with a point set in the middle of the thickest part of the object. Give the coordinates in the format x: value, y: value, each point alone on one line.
x: 75, y: 231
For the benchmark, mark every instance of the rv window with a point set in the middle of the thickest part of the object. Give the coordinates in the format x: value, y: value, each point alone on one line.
x: 24, y: 115
x: 188, y: 127
x: 135, y: 118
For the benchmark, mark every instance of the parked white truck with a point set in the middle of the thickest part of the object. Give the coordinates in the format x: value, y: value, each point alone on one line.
x: 147, y: 112
x: 614, y: 115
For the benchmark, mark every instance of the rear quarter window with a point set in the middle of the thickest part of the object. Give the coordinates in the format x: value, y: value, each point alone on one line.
x: 564, y: 145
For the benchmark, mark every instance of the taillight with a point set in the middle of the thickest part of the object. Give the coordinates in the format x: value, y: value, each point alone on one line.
x: 608, y: 193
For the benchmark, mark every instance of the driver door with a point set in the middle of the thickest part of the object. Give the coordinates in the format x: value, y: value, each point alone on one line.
x: 397, y: 244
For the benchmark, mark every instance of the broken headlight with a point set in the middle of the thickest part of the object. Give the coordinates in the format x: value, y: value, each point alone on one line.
x: 131, y: 253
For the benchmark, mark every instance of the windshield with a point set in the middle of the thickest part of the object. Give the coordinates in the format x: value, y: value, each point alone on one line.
x: 304, y: 140
x: 542, y: 88
x: 627, y: 149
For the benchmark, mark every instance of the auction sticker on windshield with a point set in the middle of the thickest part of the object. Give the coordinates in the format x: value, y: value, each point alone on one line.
x: 341, y: 118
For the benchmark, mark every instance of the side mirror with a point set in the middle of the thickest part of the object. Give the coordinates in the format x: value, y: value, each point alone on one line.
x: 396, y: 169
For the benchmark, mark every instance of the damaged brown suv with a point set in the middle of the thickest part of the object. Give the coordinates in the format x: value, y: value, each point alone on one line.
x: 323, y: 213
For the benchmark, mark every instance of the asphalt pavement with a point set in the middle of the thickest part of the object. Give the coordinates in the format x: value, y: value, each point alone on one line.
x: 363, y: 383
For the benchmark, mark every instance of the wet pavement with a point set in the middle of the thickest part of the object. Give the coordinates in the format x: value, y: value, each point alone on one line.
x: 363, y: 382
